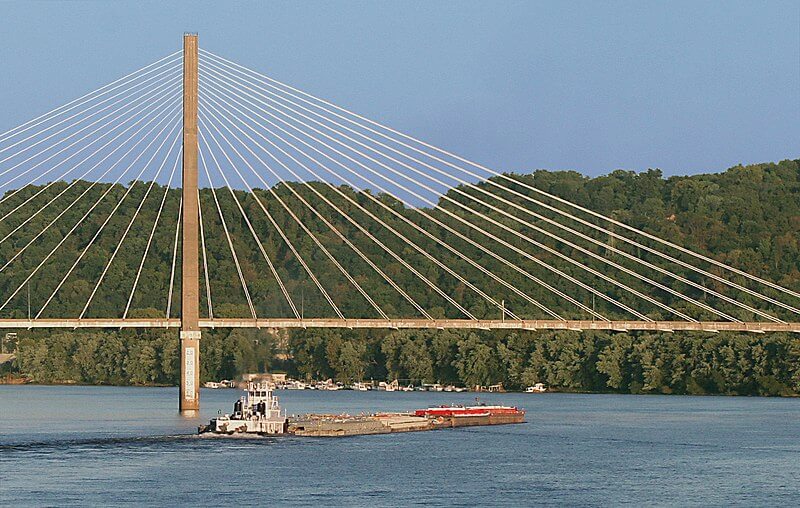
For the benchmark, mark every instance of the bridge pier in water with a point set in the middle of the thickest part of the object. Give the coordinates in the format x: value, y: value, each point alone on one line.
x: 190, y: 279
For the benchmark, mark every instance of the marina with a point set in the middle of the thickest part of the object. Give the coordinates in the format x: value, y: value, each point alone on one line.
x: 280, y: 381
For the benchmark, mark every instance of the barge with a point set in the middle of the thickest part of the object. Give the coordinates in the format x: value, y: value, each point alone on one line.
x: 461, y: 416
x: 258, y: 413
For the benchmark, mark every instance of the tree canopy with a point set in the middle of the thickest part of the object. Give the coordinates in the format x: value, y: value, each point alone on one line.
x: 747, y: 216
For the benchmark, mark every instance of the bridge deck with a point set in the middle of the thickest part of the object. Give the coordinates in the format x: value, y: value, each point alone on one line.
x: 709, y: 326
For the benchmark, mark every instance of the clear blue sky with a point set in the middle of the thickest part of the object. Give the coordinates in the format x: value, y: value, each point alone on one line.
x: 593, y: 86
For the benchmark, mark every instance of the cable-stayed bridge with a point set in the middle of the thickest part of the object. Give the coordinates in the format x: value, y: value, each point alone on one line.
x: 197, y: 193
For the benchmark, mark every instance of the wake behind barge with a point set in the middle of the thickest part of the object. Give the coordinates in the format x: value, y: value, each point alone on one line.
x: 258, y: 413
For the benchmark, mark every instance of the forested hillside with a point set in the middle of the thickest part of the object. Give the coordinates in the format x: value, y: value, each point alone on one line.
x: 747, y: 216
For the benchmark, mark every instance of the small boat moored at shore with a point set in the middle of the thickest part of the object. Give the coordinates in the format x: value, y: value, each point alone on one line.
x: 537, y: 388
x: 216, y: 385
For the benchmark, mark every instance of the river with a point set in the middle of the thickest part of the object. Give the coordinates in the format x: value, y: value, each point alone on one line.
x: 84, y: 445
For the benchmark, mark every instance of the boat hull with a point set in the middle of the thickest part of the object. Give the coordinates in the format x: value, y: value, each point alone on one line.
x: 262, y: 426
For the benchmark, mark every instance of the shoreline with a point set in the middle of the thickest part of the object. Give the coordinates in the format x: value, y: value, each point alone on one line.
x: 3, y: 382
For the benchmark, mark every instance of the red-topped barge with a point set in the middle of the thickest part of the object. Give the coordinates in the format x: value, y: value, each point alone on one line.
x: 463, y: 416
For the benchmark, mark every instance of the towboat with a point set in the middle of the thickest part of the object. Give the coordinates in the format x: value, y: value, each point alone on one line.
x: 257, y: 412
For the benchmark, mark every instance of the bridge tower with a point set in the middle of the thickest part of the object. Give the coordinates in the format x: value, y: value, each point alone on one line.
x: 190, y: 282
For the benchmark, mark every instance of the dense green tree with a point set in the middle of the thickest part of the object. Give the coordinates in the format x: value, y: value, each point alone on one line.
x: 476, y: 362
x: 350, y: 361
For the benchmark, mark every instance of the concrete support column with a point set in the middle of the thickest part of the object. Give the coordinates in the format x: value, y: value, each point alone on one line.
x: 190, y: 278
x: 190, y: 371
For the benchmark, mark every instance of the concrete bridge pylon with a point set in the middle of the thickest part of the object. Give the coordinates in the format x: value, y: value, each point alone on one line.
x: 190, y: 282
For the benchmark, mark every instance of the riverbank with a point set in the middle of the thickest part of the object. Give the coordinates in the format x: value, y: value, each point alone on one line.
x: 550, y: 390
x: 15, y: 380
x: 588, y: 362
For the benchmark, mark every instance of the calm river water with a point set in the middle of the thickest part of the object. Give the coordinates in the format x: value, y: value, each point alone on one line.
x: 69, y: 445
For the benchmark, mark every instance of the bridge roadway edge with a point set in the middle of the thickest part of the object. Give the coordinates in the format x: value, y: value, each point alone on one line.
x: 442, y: 324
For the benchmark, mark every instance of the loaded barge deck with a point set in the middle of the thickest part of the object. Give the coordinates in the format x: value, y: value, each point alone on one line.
x: 259, y: 413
